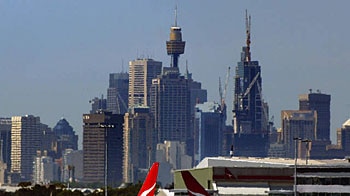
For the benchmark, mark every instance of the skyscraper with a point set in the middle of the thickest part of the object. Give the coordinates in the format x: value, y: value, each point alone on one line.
x: 26, y: 135
x: 141, y: 73
x: 139, y: 142
x: 170, y: 104
x: 321, y: 103
x: 174, y: 96
x: 103, y: 148
x: 208, y: 131
x: 117, y: 93
x: 66, y: 137
x: 249, y: 110
x: 5, y: 136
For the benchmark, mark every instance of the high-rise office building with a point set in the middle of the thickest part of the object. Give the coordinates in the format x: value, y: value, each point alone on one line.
x: 117, y: 93
x: 141, y: 73
x: 174, y: 96
x: 208, y: 134
x: 72, y: 165
x: 26, y: 134
x: 139, y: 142
x: 5, y: 139
x: 321, y: 103
x: 343, y: 137
x: 103, y: 148
x: 45, y: 169
x: 197, y: 96
x: 249, y: 110
x: 66, y: 137
x: 170, y: 104
x: 297, y: 124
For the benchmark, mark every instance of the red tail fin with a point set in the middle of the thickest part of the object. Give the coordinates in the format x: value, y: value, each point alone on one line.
x: 193, y: 187
x: 149, y: 185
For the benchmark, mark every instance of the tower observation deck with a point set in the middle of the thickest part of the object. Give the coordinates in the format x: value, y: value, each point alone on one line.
x: 175, y: 46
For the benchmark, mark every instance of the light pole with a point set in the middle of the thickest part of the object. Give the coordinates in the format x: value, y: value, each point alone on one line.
x: 149, y: 156
x: 106, y: 143
x: 296, y: 140
x: 307, y: 141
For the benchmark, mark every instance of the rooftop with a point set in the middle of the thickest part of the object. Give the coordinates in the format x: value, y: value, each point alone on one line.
x: 267, y: 162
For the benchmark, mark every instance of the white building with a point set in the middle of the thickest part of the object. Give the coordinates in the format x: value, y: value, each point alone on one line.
x: 45, y: 170
x: 171, y: 155
x: 72, y: 165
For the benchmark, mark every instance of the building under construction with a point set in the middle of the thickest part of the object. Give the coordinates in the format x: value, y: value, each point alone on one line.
x: 250, y: 112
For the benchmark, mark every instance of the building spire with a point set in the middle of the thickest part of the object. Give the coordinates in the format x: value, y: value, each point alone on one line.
x: 247, y: 24
x: 175, y: 15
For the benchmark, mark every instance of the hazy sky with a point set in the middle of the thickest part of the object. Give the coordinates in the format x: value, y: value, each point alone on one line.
x: 56, y: 55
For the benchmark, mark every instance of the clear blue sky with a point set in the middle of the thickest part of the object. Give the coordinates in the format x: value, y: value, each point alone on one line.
x: 56, y: 55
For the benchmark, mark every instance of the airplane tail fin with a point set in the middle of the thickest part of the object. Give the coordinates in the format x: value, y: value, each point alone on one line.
x: 149, y: 185
x: 193, y: 187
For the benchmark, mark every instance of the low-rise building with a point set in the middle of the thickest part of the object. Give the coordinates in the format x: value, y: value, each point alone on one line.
x: 268, y: 176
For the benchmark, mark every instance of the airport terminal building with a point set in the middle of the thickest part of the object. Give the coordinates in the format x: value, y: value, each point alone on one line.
x: 267, y: 176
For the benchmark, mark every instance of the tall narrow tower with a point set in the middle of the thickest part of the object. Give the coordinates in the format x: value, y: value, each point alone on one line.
x: 175, y: 46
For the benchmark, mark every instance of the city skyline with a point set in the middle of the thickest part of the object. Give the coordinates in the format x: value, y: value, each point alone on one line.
x: 56, y: 56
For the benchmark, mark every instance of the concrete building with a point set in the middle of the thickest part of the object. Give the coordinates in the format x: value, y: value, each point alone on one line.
x: 141, y: 73
x: 343, y: 137
x: 175, y: 46
x: 45, y: 169
x: 269, y: 176
x: 250, y: 112
x: 297, y: 124
x: 117, y: 93
x: 72, y: 166
x: 140, y: 140
x: 26, y: 134
x: 321, y: 103
x: 170, y: 104
x: 103, y: 148
x: 208, y: 134
x: 171, y: 155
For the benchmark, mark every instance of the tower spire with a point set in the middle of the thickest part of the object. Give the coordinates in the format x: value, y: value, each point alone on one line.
x: 175, y: 15
x: 247, y: 24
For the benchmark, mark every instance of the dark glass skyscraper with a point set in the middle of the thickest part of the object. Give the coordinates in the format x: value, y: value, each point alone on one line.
x: 66, y: 137
x: 103, y: 147
x: 117, y: 93
x: 250, y: 112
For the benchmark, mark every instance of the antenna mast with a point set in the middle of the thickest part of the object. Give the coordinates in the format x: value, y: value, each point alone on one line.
x: 247, y: 24
x: 175, y: 15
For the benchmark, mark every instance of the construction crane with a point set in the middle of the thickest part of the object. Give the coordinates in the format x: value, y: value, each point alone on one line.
x: 251, y: 85
x: 222, y: 92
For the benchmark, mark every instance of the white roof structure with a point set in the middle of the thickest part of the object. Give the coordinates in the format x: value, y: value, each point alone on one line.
x: 265, y: 162
x: 346, y: 123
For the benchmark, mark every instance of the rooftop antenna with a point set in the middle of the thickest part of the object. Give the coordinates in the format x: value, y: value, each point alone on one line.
x: 247, y: 25
x: 175, y: 15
